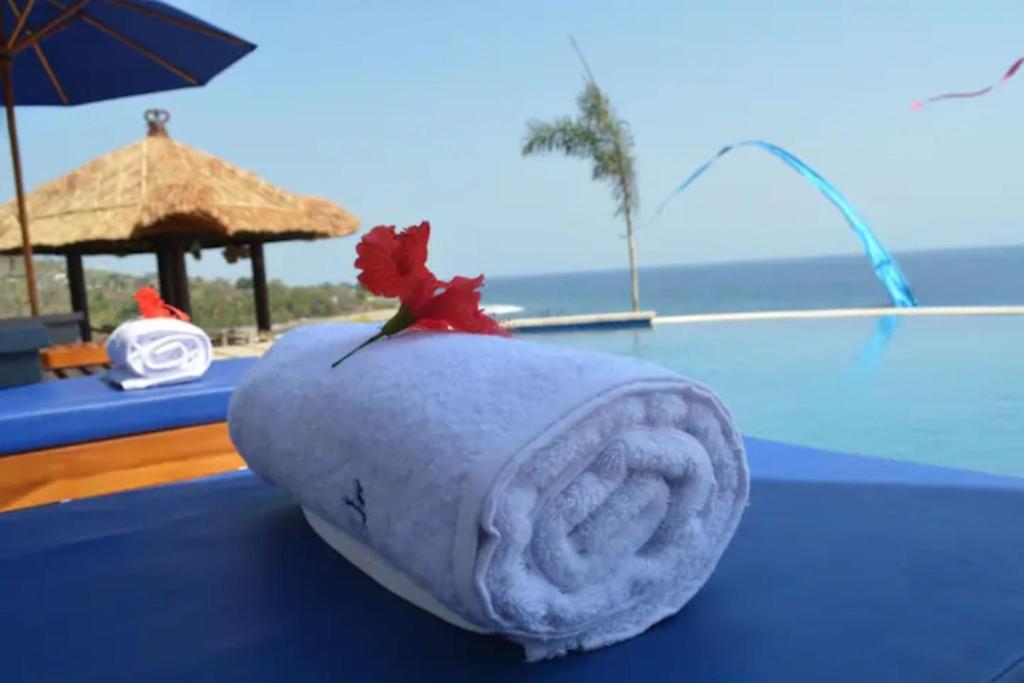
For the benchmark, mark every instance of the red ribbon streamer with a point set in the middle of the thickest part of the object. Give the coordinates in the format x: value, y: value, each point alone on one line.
x: 918, y: 106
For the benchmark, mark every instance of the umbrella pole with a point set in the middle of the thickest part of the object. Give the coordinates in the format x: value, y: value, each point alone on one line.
x: 12, y: 132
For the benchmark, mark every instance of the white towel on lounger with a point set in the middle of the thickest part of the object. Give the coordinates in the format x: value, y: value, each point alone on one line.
x: 151, y: 352
x: 564, y: 499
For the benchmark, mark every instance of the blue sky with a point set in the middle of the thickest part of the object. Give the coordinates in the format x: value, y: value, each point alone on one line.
x: 401, y: 111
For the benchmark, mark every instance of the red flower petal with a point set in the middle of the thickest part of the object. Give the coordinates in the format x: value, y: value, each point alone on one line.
x: 150, y: 303
x: 152, y: 306
x: 457, y: 308
x: 391, y: 263
x: 420, y: 294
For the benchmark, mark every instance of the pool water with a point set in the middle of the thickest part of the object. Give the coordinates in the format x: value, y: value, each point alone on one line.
x: 943, y: 390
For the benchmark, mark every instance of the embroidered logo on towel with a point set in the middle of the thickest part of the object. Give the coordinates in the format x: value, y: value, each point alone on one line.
x: 359, y: 504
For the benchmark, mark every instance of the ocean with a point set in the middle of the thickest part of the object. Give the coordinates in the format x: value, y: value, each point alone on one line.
x: 955, y: 277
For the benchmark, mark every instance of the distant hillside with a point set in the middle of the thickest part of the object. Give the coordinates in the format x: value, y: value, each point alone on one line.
x: 217, y: 304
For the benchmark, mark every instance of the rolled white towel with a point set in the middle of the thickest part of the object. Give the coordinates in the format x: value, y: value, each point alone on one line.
x: 155, y: 351
x: 563, y: 499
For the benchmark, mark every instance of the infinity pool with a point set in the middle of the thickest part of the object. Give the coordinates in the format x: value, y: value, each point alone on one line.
x: 939, y: 390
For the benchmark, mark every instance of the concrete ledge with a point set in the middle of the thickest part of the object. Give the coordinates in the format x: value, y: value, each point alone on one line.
x: 589, y: 321
x: 838, y: 313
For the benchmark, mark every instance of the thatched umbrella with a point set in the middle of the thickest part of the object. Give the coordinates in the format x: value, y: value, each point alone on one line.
x: 158, y: 195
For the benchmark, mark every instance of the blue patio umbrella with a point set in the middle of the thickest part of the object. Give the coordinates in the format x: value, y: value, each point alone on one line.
x: 68, y: 52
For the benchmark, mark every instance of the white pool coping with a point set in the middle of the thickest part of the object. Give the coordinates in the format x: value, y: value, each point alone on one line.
x: 837, y: 313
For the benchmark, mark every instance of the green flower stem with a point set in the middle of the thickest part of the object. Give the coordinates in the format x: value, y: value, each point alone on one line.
x: 398, y: 322
x: 365, y: 343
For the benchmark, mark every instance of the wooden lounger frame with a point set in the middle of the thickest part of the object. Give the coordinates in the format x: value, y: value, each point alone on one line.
x: 74, y: 360
x: 130, y: 462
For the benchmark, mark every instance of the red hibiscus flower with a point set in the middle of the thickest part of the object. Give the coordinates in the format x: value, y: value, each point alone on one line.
x: 392, y: 263
x: 152, y: 306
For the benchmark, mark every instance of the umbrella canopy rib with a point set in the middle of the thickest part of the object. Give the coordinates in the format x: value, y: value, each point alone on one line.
x: 36, y: 48
x: 22, y: 18
x: 68, y: 16
x: 51, y: 75
x: 145, y: 52
x: 177, y: 21
x: 125, y: 40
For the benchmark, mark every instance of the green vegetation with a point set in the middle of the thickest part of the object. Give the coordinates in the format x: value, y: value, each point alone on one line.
x: 599, y: 135
x: 217, y: 304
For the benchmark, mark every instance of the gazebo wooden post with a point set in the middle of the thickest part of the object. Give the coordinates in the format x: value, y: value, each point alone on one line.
x: 164, y: 272
x: 173, y: 275
x: 79, y: 294
x: 259, y: 287
x: 181, y: 297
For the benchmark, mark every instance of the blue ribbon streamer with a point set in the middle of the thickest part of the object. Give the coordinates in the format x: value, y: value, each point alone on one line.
x: 886, y: 268
x: 885, y: 328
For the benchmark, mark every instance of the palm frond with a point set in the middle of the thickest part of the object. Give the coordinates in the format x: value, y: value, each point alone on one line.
x: 564, y: 135
x: 598, y: 134
x: 595, y: 109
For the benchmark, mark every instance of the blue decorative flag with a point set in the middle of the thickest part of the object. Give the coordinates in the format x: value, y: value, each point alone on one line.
x: 886, y: 269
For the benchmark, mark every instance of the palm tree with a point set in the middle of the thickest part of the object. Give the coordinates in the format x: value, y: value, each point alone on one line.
x: 599, y: 135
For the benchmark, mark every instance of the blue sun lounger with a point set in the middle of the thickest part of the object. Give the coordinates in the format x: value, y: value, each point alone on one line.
x: 844, y: 569
x: 70, y: 411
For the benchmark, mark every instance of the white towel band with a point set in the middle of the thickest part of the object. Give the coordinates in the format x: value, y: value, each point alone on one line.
x: 381, y: 571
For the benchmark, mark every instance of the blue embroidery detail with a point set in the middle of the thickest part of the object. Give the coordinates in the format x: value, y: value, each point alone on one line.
x: 359, y: 504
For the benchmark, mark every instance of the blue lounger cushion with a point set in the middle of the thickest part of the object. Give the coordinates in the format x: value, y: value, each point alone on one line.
x: 843, y: 569
x: 59, y: 413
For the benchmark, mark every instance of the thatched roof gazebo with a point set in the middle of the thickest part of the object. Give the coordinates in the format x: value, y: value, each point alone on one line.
x: 158, y: 195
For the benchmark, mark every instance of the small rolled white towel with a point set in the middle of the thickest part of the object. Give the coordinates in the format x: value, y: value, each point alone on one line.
x: 155, y: 351
x: 564, y: 499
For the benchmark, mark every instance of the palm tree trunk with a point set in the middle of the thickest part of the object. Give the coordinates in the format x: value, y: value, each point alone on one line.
x: 634, y: 283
